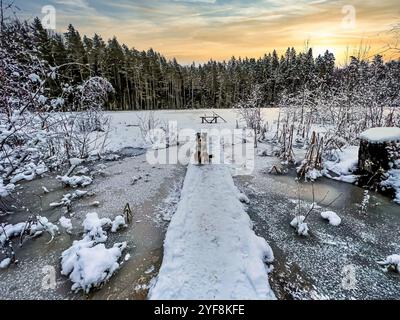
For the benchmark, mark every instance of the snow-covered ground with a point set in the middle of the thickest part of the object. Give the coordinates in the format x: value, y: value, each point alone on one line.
x: 211, y: 251
x: 315, y: 267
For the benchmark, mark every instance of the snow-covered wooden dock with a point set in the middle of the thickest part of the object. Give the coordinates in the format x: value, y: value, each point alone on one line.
x: 211, y: 251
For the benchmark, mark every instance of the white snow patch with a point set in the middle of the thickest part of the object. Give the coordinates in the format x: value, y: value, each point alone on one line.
x: 332, y: 217
x: 93, y: 227
x: 5, y: 191
x: 66, y: 224
x: 243, y: 198
x: 88, y: 263
x: 118, y: 223
x: 5, y: 263
x: 210, y: 250
x: 343, y: 163
x: 381, y: 135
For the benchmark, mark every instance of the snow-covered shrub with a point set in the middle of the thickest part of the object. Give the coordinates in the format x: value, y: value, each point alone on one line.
x: 34, y: 227
x: 249, y: 110
x: 392, y: 262
x: 89, y: 266
x: 88, y: 263
x: 75, y: 181
x: 67, y: 199
x: 153, y: 130
x: 300, y: 226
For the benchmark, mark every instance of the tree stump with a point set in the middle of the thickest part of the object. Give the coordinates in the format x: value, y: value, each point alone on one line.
x: 377, y: 155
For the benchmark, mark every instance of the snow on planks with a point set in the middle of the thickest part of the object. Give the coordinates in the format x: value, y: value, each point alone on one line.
x: 211, y: 251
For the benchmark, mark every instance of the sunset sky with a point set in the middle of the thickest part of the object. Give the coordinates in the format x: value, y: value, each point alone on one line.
x: 197, y: 30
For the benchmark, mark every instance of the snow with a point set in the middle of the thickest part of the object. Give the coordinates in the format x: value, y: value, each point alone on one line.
x: 5, y: 190
x: 342, y: 163
x: 10, y: 231
x: 313, y: 175
x: 76, y: 181
x: 118, y: 223
x: 76, y: 161
x: 34, y: 77
x: 243, y: 198
x: 66, y: 224
x: 93, y: 227
x: 68, y: 198
x: 393, y: 182
x: 332, y: 217
x: 36, y: 229
x: 43, y: 225
x: 381, y: 135
x: 5, y: 263
x: 210, y: 250
x: 125, y: 131
x: 300, y: 226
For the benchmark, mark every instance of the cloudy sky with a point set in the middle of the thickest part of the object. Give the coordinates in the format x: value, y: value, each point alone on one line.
x: 197, y: 30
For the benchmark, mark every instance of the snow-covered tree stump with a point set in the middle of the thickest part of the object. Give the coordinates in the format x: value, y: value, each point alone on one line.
x: 376, y: 153
x: 374, y: 149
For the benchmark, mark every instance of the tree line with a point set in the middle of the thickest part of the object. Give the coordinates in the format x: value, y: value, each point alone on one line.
x: 146, y: 80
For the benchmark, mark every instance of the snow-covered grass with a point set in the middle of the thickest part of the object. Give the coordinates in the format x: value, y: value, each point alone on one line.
x: 210, y: 250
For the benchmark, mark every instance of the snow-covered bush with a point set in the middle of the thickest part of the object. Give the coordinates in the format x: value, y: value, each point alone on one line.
x: 34, y: 227
x: 88, y: 263
x: 392, y: 262
x: 249, y: 110
x: 75, y: 181
x: 301, y: 227
x: 89, y: 266
x: 38, y: 129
